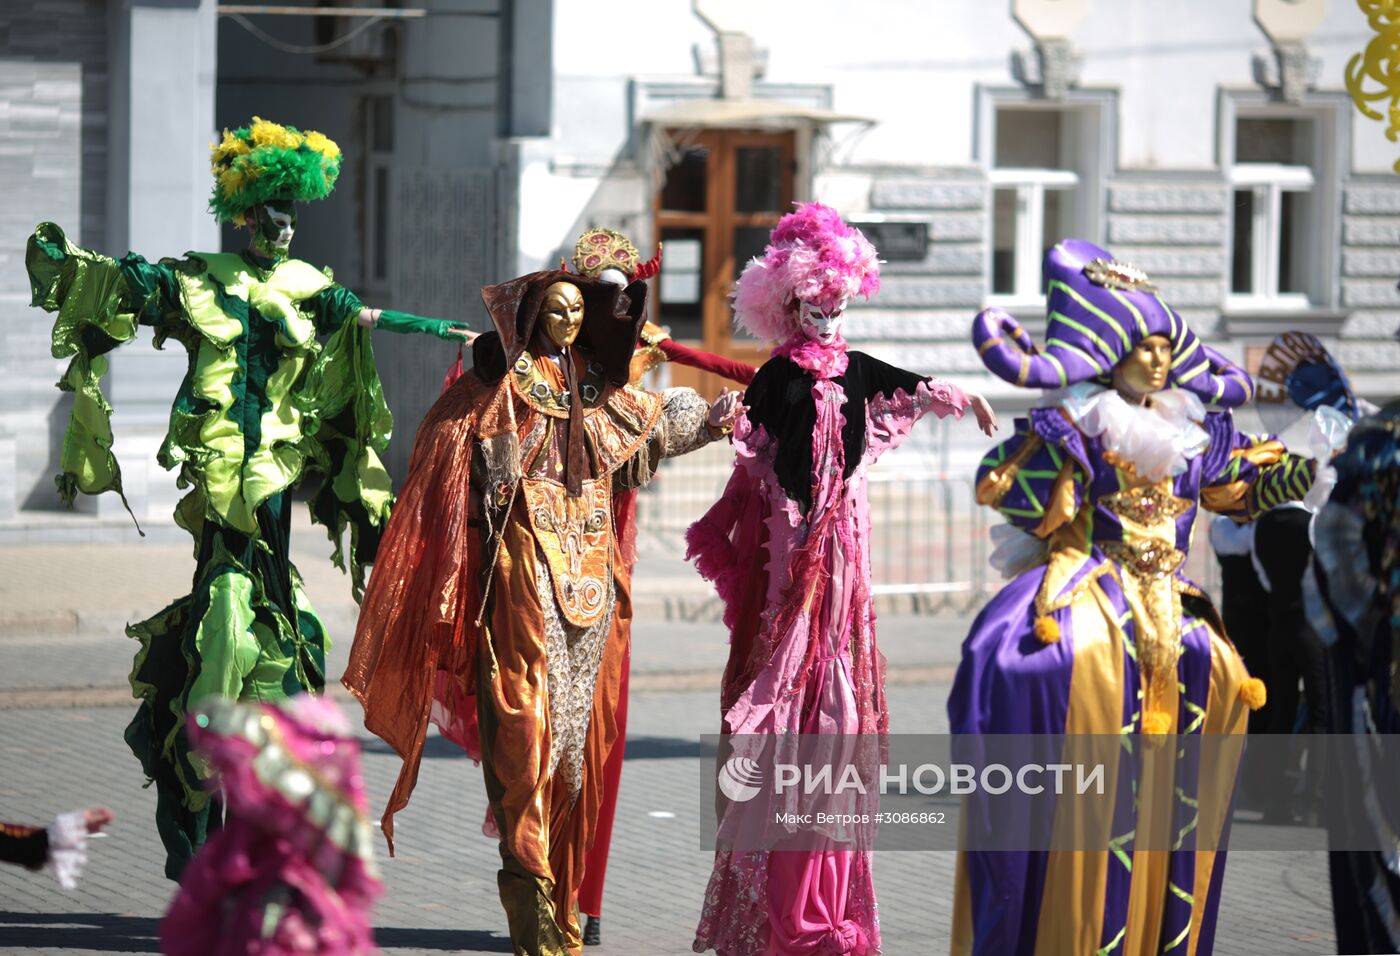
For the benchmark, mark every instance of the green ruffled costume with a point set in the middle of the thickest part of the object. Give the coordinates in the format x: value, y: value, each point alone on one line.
x: 262, y: 405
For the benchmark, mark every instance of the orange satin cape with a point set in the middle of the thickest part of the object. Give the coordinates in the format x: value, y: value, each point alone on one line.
x: 419, y: 610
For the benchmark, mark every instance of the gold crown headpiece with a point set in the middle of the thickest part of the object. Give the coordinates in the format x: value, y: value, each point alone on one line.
x: 599, y: 249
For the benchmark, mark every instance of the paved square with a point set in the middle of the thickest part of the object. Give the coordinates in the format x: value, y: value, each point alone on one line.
x: 61, y: 611
x: 441, y: 895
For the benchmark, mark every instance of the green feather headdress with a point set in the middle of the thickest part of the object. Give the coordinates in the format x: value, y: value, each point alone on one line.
x: 267, y: 161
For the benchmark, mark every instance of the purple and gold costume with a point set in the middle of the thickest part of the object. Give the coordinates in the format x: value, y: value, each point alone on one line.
x: 1103, y: 634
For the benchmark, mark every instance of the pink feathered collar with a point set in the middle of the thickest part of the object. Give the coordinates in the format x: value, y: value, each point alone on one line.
x: 823, y: 361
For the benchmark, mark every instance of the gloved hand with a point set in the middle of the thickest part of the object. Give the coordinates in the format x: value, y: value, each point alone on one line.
x: 406, y: 323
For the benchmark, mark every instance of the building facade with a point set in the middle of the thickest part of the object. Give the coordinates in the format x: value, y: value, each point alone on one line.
x: 106, y: 111
x: 1212, y: 144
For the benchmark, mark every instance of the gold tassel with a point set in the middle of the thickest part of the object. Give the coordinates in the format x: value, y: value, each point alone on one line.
x: 1156, y: 722
x: 1047, y: 629
x: 1254, y: 693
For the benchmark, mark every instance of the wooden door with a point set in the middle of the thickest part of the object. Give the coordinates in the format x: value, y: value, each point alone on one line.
x: 714, y: 212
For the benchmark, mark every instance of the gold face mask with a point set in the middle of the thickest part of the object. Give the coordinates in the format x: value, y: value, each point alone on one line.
x: 561, y: 314
x: 1144, y: 370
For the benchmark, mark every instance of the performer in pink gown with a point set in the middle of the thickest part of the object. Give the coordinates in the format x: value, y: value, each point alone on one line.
x: 788, y: 549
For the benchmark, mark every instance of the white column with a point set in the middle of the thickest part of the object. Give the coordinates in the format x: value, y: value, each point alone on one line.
x: 163, y: 70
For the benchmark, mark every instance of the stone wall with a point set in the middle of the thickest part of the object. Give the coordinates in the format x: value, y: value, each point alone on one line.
x: 1174, y: 225
x: 53, y: 140
x: 1370, y: 268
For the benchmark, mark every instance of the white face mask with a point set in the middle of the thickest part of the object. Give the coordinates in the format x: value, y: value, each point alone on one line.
x: 286, y: 228
x: 822, y: 326
x: 273, y: 229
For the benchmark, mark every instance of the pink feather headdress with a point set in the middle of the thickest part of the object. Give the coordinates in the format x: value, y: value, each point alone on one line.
x: 812, y: 256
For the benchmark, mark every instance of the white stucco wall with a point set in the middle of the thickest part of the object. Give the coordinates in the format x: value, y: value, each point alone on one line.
x: 162, y: 99
x: 913, y: 64
x: 916, y: 66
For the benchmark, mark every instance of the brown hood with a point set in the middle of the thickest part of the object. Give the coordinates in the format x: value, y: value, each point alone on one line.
x: 612, y: 317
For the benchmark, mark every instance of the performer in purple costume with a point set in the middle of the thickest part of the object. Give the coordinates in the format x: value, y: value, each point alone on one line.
x: 1099, y: 632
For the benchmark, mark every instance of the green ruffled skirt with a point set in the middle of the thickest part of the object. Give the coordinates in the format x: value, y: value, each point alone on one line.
x: 246, y: 631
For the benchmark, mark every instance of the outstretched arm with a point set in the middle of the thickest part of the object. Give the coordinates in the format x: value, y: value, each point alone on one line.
x: 897, y: 398
x: 1245, y: 475
x: 657, y: 346
x: 63, y: 844
x: 337, y: 305
x: 687, y: 423
x: 25, y: 845
x: 731, y: 369
x: 982, y: 411
x: 98, y: 302
x: 406, y: 323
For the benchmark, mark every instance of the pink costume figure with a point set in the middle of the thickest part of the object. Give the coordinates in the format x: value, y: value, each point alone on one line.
x: 292, y: 870
x: 788, y: 548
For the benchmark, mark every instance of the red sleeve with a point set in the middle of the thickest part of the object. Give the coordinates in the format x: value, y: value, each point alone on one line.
x: 740, y: 372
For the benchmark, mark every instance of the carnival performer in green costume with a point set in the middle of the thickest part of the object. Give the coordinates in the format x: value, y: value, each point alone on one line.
x: 263, y: 405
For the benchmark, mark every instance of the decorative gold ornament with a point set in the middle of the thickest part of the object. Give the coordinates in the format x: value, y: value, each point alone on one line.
x: 1379, y: 64
x: 532, y: 385
x: 1145, y: 557
x: 599, y: 249
x: 1253, y: 693
x: 575, y: 537
x: 1147, y: 505
x: 653, y: 334
x: 1156, y: 722
x: 1112, y: 274
x: 1047, y: 629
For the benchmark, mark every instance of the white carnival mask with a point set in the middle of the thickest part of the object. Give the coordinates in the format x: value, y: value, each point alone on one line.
x: 274, y: 226
x: 822, y: 325
x: 286, y: 228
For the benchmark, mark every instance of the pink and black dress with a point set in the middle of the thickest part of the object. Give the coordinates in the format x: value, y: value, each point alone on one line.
x: 788, y: 548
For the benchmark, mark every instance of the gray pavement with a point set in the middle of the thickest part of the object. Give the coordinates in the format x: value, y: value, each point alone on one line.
x: 63, y: 666
x: 441, y: 887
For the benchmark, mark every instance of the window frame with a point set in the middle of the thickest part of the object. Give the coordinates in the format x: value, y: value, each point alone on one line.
x: 1031, y: 185
x: 1095, y: 116
x: 1330, y: 112
x: 1268, y: 182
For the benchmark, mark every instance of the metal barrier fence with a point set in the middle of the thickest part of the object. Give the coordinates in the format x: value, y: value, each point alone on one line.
x: 930, y: 538
x: 929, y: 541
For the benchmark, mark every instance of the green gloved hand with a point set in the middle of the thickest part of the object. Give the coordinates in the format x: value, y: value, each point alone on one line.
x: 406, y: 323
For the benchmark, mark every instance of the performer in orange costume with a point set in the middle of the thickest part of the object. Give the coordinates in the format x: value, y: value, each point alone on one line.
x: 607, y: 254
x: 499, y: 584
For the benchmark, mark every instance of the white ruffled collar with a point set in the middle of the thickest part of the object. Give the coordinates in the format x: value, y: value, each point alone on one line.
x: 1159, y: 440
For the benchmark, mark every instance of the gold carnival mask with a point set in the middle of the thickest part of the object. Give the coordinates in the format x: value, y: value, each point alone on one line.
x: 1144, y: 370
x: 561, y: 313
